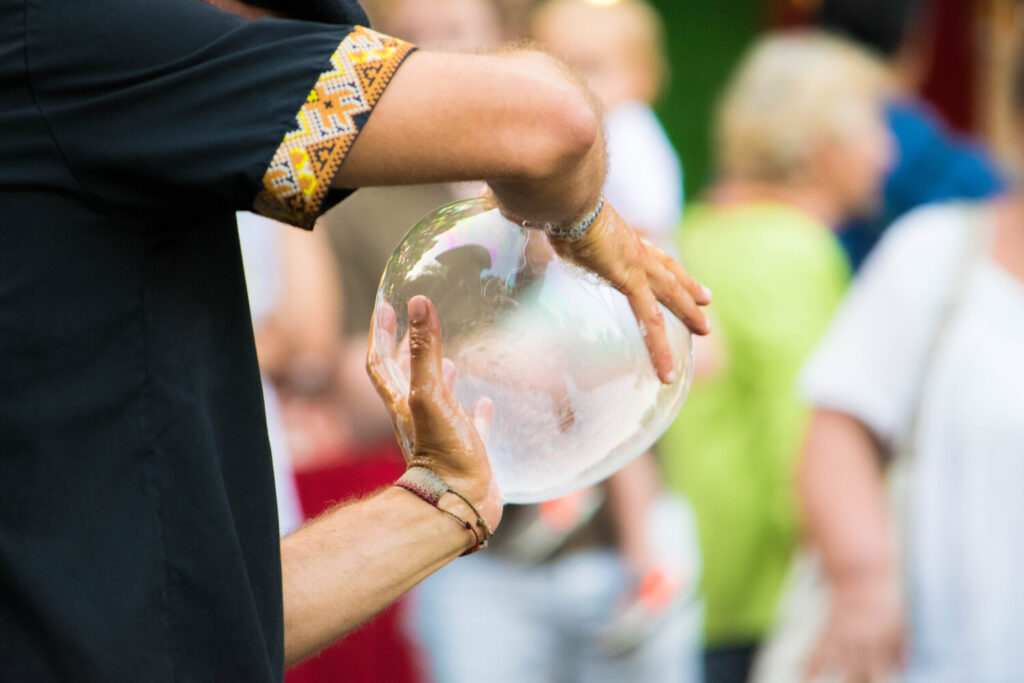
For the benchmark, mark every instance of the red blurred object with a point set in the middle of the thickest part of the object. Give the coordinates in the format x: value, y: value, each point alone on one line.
x: 379, y: 651
x: 792, y: 13
x: 949, y: 84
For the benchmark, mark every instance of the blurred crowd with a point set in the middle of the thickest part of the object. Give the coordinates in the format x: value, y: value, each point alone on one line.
x: 840, y: 498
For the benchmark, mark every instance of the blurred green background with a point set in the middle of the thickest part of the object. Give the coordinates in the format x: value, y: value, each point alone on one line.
x: 707, y: 39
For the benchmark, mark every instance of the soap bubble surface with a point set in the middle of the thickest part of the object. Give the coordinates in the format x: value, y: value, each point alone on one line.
x: 556, y: 349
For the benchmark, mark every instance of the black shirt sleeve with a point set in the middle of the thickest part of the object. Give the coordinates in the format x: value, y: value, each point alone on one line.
x: 173, y: 105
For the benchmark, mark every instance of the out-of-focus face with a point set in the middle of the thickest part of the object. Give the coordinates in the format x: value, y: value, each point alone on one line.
x: 593, y: 47
x: 449, y: 25
x: 853, y: 168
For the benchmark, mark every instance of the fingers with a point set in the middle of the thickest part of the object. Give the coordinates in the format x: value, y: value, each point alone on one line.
x: 677, y: 289
x: 483, y: 415
x: 426, y: 374
x: 652, y: 327
x: 679, y: 300
x: 700, y: 294
x: 380, y: 348
x: 388, y: 320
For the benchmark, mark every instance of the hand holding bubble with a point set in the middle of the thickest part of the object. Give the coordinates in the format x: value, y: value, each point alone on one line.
x: 557, y: 349
x: 645, y: 274
x: 435, y: 430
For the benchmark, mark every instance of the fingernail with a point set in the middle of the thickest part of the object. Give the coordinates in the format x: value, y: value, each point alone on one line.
x: 417, y: 310
x: 672, y: 376
x: 706, y: 292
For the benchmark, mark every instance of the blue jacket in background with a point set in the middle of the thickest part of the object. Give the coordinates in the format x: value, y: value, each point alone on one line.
x: 932, y: 165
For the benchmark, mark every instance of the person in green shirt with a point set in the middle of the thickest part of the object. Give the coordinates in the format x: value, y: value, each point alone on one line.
x: 801, y: 144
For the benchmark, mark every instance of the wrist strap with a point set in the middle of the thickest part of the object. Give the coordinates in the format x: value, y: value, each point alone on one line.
x: 429, y: 486
x: 567, y: 233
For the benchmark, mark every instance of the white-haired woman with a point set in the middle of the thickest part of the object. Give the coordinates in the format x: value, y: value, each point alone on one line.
x: 801, y: 144
x: 925, y: 363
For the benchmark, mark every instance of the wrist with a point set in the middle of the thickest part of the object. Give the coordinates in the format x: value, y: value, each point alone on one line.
x: 571, y: 230
x: 455, y: 539
x: 861, y: 576
x: 430, y: 487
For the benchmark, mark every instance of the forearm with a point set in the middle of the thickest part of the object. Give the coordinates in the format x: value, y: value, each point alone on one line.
x: 356, y: 560
x: 631, y: 492
x: 517, y: 120
x: 843, y: 496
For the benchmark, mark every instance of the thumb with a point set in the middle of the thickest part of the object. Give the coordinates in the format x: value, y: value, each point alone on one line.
x: 425, y: 372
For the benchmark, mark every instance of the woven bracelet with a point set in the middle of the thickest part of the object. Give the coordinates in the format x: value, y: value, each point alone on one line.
x: 429, y: 486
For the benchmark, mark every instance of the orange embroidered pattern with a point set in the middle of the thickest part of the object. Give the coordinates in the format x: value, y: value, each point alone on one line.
x: 301, y: 171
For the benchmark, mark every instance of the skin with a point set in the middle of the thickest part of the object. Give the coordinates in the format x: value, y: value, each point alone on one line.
x: 843, y: 178
x: 601, y: 43
x: 843, y: 497
x: 523, y: 123
x: 842, y: 489
x: 303, y: 329
x: 356, y: 559
x: 446, y: 25
x: 541, y: 153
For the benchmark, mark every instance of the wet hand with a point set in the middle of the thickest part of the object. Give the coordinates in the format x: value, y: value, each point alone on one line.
x: 645, y: 274
x: 435, y: 431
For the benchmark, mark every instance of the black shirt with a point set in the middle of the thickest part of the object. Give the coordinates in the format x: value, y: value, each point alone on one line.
x: 138, y: 534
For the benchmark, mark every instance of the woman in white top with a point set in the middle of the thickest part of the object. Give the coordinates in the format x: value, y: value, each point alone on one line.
x: 925, y: 363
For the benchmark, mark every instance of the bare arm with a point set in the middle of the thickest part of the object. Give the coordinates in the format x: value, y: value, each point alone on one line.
x: 355, y: 560
x: 843, y: 495
x: 631, y: 492
x: 523, y: 124
x: 516, y: 120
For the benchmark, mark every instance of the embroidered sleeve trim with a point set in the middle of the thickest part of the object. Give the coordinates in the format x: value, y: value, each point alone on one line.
x: 300, y: 173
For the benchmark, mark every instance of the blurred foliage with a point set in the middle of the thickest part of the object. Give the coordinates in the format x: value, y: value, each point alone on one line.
x: 704, y: 42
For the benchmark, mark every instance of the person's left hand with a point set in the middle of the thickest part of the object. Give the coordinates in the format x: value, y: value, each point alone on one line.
x: 645, y: 275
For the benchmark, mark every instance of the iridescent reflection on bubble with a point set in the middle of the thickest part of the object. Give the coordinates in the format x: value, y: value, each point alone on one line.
x: 557, y: 350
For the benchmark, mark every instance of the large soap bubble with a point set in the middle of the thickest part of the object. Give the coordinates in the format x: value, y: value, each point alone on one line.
x: 557, y: 349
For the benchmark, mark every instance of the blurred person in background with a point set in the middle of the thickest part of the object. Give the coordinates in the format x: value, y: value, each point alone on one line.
x: 292, y: 287
x: 598, y: 585
x: 618, y: 49
x: 365, y: 230
x: 932, y: 163
x: 801, y: 145
x: 342, y: 439
x: 923, y: 368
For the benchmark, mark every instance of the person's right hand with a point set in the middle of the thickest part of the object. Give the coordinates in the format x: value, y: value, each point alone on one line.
x: 445, y: 438
x: 864, y: 639
x: 645, y: 275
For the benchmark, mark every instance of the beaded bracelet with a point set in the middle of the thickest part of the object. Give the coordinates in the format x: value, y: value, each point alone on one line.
x: 429, y: 486
x: 567, y: 233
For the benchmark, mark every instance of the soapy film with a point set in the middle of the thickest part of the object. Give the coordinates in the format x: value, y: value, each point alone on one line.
x: 557, y: 350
